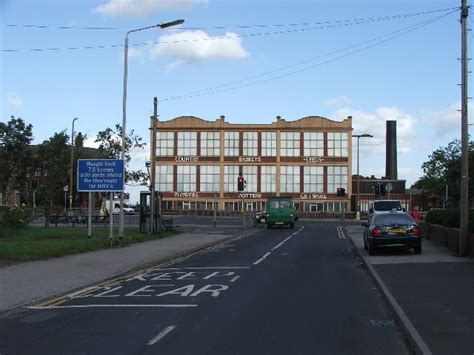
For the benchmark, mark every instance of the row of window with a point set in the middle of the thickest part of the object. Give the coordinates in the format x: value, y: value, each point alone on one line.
x: 313, y: 144
x: 255, y: 206
x: 290, y: 178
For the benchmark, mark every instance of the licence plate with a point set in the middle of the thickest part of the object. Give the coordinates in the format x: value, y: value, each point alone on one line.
x: 279, y: 223
x: 397, y: 231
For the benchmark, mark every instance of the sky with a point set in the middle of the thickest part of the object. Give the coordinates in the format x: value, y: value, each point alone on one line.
x: 249, y: 60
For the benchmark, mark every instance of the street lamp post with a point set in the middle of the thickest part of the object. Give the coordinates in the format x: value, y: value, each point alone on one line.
x: 124, y: 120
x: 358, y: 136
x: 72, y: 163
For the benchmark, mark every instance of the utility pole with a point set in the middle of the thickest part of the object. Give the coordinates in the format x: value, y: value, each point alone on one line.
x: 152, y: 168
x: 464, y: 200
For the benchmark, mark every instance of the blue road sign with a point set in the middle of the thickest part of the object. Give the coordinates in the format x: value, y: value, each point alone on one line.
x: 100, y: 175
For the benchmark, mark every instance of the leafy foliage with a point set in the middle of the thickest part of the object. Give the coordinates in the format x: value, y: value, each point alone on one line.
x: 449, y: 218
x: 13, y: 217
x: 53, y: 156
x: 444, y: 168
x: 15, y: 156
x: 111, y: 147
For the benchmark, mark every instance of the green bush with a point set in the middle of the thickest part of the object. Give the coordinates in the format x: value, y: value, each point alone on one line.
x: 449, y: 218
x: 14, y: 217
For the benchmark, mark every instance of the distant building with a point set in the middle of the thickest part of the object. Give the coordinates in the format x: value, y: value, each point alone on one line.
x: 197, y: 162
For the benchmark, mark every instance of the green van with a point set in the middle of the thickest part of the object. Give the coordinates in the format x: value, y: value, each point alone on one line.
x: 280, y: 211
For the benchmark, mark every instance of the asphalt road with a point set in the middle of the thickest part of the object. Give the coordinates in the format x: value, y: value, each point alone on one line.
x: 280, y: 291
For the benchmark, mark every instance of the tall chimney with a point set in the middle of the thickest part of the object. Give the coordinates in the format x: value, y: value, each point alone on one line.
x: 391, y: 151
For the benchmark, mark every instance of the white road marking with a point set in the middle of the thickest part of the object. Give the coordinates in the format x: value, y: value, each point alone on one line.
x: 115, y: 306
x: 234, y: 279
x: 204, y: 268
x: 162, y: 334
x: 278, y: 245
x: 261, y: 259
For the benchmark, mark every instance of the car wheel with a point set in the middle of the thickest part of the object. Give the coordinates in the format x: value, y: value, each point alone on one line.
x: 263, y: 220
x: 417, y: 249
x: 371, y: 249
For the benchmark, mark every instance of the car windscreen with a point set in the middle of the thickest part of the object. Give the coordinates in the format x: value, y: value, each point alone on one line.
x: 393, y: 218
x: 280, y: 204
x: 387, y: 206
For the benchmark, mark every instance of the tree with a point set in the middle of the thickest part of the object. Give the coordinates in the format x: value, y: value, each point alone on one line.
x: 444, y: 168
x: 111, y: 147
x: 54, y: 160
x: 15, y: 157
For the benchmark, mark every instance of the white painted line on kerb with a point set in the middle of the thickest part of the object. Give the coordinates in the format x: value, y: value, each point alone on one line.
x: 115, y: 306
x: 261, y: 259
x: 162, y: 334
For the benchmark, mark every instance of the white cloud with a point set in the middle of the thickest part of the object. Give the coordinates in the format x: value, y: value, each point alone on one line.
x: 445, y: 121
x: 194, y: 46
x: 375, y: 124
x: 342, y: 100
x: 144, y: 8
x: 14, y: 101
x: 89, y: 142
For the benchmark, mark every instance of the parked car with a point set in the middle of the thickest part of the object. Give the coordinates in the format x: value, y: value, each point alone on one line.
x: 280, y: 211
x: 392, y: 229
x: 261, y: 217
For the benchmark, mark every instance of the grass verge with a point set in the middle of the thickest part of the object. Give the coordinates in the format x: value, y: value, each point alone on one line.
x: 36, y: 243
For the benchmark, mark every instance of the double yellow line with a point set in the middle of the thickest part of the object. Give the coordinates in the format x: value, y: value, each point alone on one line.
x: 341, y: 232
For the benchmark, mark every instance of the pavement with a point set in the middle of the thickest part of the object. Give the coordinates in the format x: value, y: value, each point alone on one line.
x: 431, y: 295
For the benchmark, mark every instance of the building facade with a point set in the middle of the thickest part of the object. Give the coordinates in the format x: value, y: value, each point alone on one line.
x: 196, y: 163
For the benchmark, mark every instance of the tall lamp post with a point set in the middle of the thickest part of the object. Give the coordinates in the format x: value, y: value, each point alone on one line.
x: 358, y: 136
x: 124, y: 121
x: 72, y: 162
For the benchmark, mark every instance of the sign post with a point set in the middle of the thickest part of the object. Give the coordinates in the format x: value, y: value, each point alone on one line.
x: 100, y: 175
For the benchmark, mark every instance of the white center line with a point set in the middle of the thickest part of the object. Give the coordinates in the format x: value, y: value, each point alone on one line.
x: 162, y: 334
x: 278, y: 245
x: 261, y: 259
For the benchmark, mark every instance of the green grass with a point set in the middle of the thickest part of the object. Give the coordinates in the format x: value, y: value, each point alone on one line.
x: 36, y: 243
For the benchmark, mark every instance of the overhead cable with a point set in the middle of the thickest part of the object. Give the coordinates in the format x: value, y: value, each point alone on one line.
x: 230, y: 36
x: 378, y: 41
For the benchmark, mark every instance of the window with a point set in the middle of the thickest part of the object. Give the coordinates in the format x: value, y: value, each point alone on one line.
x: 313, y: 179
x: 268, y: 178
x: 337, y: 177
x: 209, y: 178
x: 290, y: 179
x: 164, y: 143
x: 335, y: 207
x: 186, y: 178
x: 211, y: 144
x: 250, y: 175
x: 268, y: 144
x: 164, y: 178
x: 290, y: 144
x: 187, y: 143
x: 313, y: 144
x: 250, y: 142
x: 231, y: 173
x: 337, y: 144
x: 231, y: 144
